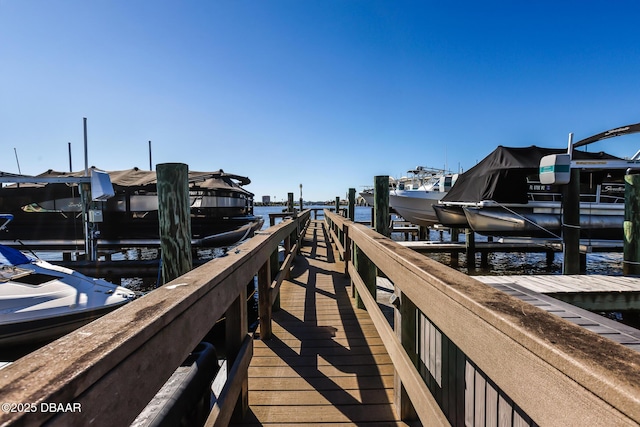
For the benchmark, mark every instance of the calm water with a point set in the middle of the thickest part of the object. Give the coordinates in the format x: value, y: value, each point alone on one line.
x: 499, y: 263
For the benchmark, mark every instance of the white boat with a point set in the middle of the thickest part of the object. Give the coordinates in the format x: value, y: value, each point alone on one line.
x: 412, y: 196
x: 367, y: 193
x: 414, y: 200
x: 502, y: 195
x: 40, y: 301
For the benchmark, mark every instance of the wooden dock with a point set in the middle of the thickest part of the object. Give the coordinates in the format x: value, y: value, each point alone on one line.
x: 598, y: 293
x: 458, y: 352
x: 570, y: 296
x: 325, y: 362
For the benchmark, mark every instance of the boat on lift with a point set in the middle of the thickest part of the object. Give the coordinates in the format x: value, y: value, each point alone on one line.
x: 48, y: 210
x: 414, y: 198
x: 413, y: 195
x: 502, y: 195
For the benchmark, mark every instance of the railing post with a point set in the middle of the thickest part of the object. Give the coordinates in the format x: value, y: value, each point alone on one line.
x: 301, y: 230
x: 347, y: 250
x: 275, y: 268
x: 406, y: 330
x: 264, y: 300
x: 298, y: 232
x: 367, y: 271
x: 287, y: 251
x: 236, y: 329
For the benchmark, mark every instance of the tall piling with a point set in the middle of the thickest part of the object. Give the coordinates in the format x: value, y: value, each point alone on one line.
x: 381, y: 205
x: 174, y: 214
x: 352, y: 204
x: 571, y: 225
x: 290, y: 207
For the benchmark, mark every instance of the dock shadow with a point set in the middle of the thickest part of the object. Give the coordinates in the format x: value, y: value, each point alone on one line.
x: 355, y: 358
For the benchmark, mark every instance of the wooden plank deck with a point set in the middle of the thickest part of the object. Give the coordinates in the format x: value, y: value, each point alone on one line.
x: 578, y: 283
x: 325, y: 363
x: 532, y: 289
x: 591, y: 292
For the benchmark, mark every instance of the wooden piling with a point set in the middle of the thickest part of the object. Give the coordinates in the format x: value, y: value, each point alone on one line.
x: 381, y: 205
x: 301, y: 201
x: 470, y: 244
x: 174, y: 218
x: 352, y: 204
x: 631, y: 264
x: 571, y: 224
x: 423, y: 232
x: 550, y: 257
x: 484, y: 259
x: 290, y: 202
x: 455, y: 258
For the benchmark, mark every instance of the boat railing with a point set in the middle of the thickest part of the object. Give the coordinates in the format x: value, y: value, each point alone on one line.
x: 544, y: 197
x: 464, y: 352
x: 584, y: 197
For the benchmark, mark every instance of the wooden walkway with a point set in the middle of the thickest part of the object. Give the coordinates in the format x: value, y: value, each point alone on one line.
x: 325, y: 363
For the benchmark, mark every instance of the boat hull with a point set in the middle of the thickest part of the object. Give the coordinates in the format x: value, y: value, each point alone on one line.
x: 416, y: 206
x: 451, y: 216
x: 40, y: 301
x: 48, y: 328
x: 596, y: 222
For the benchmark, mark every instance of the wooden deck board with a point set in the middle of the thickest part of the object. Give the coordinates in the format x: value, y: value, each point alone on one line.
x: 533, y: 289
x: 325, y: 364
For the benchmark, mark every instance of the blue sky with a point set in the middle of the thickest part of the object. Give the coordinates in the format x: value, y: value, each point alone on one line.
x: 327, y: 93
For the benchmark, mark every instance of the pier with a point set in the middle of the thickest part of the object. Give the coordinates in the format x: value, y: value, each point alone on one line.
x: 454, y: 350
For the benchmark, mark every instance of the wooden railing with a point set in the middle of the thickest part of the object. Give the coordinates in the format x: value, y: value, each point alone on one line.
x: 467, y: 354
x: 110, y: 369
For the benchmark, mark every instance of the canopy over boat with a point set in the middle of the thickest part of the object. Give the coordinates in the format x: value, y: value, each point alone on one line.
x: 619, y: 131
x: 47, y: 209
x: 502, y: 175
x: 138, y: 178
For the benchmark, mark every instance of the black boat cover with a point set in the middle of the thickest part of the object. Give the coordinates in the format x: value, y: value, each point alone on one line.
x: 502, y: 175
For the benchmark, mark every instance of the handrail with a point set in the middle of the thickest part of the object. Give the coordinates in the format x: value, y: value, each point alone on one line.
x: 554, y: 372
x: 114, y: 366
x: 416, y: 388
